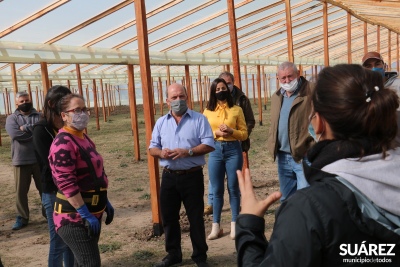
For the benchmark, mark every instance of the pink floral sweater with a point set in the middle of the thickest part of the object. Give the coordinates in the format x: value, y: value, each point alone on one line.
x: 71, y: 173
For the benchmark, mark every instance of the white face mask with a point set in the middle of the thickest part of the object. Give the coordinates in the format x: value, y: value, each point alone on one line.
x: 290, y: 87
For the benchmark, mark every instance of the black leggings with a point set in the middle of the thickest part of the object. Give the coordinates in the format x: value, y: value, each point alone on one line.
x: 85, y: 248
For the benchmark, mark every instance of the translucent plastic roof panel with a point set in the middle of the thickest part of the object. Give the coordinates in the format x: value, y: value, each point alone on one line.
x: 101, y: 35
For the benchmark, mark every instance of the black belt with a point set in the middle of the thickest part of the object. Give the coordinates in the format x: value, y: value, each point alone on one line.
x: 182, y: 172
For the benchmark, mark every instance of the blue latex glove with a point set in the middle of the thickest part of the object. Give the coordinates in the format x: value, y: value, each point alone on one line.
x: 94, y: 224
x: 110, y: 213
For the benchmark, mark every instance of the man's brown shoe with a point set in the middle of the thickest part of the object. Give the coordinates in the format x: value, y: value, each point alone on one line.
x: 208, y: 210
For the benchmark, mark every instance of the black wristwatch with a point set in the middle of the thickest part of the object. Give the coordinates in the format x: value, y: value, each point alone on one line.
x: 190, y: 152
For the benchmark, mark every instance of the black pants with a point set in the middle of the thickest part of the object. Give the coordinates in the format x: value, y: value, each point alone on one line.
x: 85, y: 248
x: 189, y: 189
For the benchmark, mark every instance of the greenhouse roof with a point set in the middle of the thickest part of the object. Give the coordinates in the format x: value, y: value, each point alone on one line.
x: 101, y: 35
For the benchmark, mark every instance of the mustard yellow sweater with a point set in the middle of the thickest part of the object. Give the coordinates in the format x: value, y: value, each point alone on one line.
x: 233, y: 117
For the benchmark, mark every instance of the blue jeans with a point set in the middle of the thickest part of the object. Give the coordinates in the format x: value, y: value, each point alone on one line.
x: 59, y: 251
x: 210, y: 196
x: 226, y: 158
x: 291, y: 175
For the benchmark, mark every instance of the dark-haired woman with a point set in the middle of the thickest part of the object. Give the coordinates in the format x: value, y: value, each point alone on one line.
x: 44, y: 133
x: 229, y: 127
x: 82, y: 184
x: 350, y: 214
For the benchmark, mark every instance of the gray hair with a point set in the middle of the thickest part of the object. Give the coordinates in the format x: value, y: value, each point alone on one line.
x: 286, y: 65
x: 19, y: 94
x: 227, y: 73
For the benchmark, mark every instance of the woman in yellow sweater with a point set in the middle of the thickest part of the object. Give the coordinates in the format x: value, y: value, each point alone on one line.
x: 229, y: 127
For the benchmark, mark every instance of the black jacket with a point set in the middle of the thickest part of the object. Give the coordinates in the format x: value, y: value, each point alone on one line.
x: 319, y: 224
x: 43, y: 135
x: 240, y: 99
x: 309, y: 230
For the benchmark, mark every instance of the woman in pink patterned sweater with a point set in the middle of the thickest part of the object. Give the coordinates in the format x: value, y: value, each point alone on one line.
x: 78, y: 173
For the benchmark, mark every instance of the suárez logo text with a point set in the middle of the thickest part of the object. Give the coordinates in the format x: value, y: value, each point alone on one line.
x: 367, y: 249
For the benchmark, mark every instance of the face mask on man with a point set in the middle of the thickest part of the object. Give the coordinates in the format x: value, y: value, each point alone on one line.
x: 178, y: 106
x: 290, y: 87
x: 379, y: 70
x: 230, y: 87
x: 80, y: 121
x: 223, y: 95
x: 25, y: 107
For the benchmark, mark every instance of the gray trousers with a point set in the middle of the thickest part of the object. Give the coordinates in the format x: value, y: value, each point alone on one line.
x: 23, y: 176
x: 85, y: 248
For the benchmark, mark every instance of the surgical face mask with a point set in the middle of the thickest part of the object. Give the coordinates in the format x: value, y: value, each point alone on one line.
x: 80, y: 121
x: 230, y: 87
x: 25, y: 107
x: 223, y: 95
x: 312, y: 132
x: 290, y: 87
x: 379, y: 70
x: 178, y: 106
x: 311, y: 128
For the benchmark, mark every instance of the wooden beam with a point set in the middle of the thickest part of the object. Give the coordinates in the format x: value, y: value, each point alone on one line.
x: 234, y: 43
x: 108, y: 103
x: 87, y: 96
x: 45, y: 77
x: 349, y: 54
x: 28, y: 83
x: 259, y: 95
x: 79, y: 79
x: 188, y: 89
x: 133, y: 111
x: 164, y: 24
x: 14, y: 79
x: 376, y: 19
x: 6, y: 102
x: 90, y: 21
x: 143, y: 48
x: 131, y: 24
x: 198, y: 23
x: 246, y: 81
x: 33, y: 17
x: 253, y: 79
x: 378, y: 38
x: 365, y: 38
x: 289, y: 31
x: 168, y: 76
x: 389, y: 51
x: 254, y: 33
x: 325, y: 31
x: 201, y: 88
x: 397, y: 53
x: 103, y: 104
x: 283, y: 44
x: 160, y: 96
x: 96, y: 105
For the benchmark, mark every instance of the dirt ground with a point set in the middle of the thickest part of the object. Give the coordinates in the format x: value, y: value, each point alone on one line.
x: 129, y: 240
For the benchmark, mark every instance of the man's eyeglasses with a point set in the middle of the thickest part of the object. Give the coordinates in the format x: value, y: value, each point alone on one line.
x: 79, y: 111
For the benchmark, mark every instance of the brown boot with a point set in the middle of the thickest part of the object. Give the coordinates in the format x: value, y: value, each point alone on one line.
x: 208, y: 210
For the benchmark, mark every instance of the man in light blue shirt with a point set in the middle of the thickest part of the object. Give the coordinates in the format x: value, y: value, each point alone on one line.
x: 180, y: 139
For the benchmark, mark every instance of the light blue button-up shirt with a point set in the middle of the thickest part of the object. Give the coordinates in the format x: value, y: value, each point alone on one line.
x: 192, y: 130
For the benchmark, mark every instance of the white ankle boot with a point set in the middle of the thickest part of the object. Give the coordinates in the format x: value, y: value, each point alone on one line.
x: 233, y: 225
x: 216, y: 232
